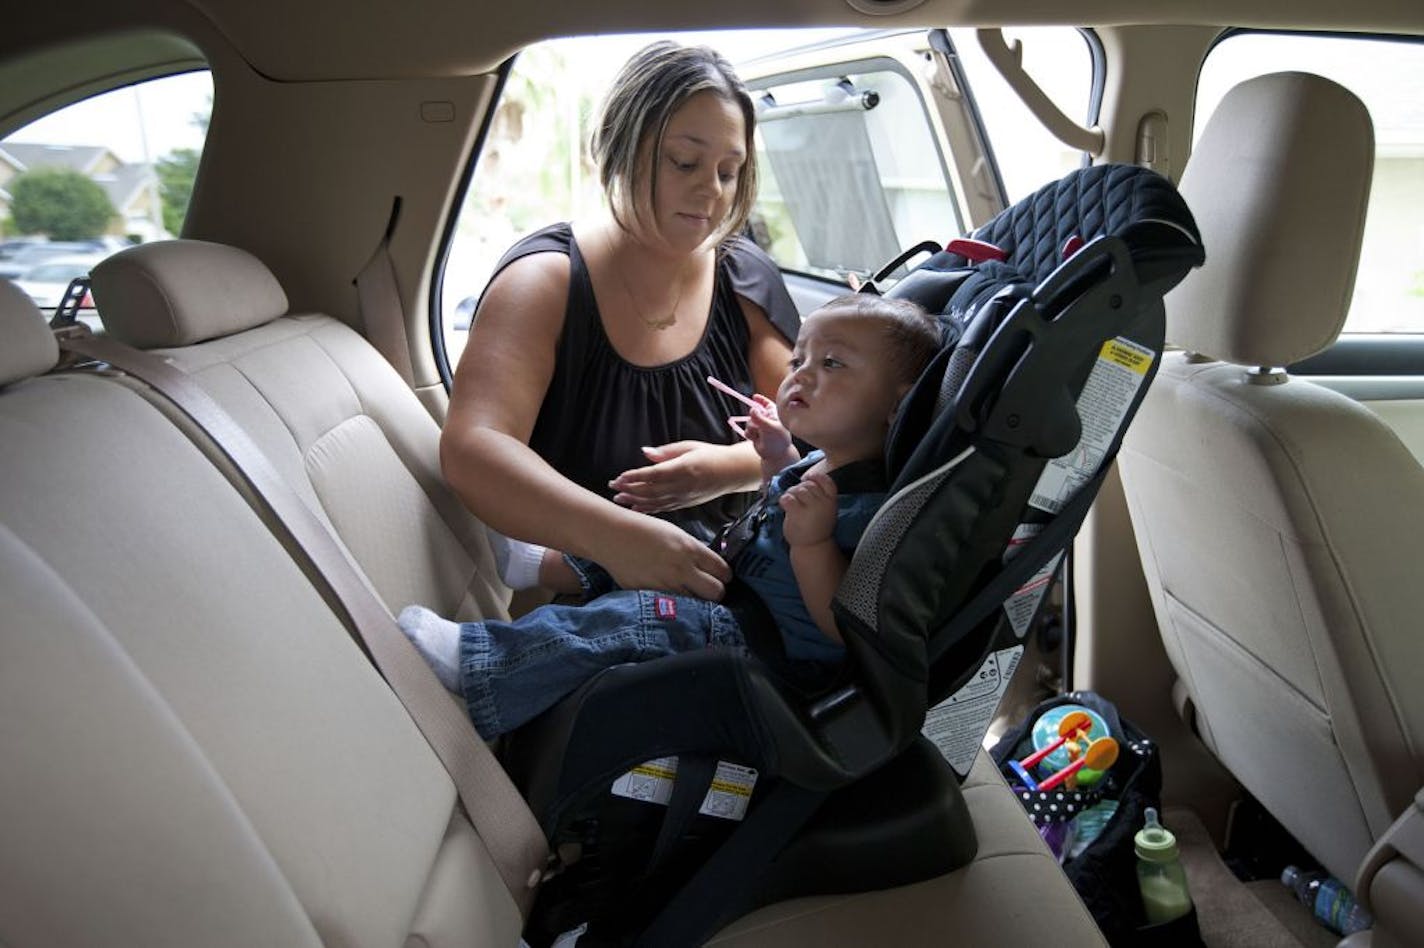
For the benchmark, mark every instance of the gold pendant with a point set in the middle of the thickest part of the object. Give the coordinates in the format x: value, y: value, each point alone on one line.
x: 660, y: 324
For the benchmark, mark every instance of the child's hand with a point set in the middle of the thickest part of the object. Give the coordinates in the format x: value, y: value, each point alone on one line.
x: 810, y: 510
x: 769, y: 436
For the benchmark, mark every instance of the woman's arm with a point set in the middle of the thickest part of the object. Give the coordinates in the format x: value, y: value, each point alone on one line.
x: 500, y: 385
x: 687, y: 473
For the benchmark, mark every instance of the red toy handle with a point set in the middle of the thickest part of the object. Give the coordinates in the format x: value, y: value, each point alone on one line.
x: 1074, y: 724
x: 1101, y: 755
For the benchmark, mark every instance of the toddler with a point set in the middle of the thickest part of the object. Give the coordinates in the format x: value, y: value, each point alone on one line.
x: 853, y: 361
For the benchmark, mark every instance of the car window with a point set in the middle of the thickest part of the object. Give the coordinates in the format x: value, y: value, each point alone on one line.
x: 852, y: 171
x: 1060, y: 60
x: 97, y: 176
x: 533, y: 168
x: 852, y: 150
x: 52, y: 272
x: 1388, y: 77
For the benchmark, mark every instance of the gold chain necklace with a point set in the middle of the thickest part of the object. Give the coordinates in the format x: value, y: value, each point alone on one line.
x: 657, y: 324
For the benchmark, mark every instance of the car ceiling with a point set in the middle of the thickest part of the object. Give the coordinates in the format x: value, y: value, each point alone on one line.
x: 444, y: 37
x: 296, y: 40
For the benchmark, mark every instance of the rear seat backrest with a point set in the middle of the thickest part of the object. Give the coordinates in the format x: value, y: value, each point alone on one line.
x: 196, y: 754
x: 194, y: 751
x: 335, y: 419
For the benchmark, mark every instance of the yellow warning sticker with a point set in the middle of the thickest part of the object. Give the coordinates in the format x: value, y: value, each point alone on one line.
x: 652, y: 782
x: 731, y: 791
x: 1127, y: 354
x: 656, y: 769
x: 1118, y: 373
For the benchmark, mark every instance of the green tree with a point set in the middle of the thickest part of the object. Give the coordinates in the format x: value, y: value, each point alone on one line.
x: 58, y: 202
x: 176, y: 172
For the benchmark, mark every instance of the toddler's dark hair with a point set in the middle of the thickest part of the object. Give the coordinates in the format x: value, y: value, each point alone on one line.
x: 913, y: 333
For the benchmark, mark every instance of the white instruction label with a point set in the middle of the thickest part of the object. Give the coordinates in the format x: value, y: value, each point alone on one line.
x: 958, y: 724
x: 727, y: 798
x: 1112, y: 385
x: 1023, y: 602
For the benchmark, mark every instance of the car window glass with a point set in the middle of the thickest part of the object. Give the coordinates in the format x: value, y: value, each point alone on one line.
x: 1388, y: 77
x: 97, y: 176
x: 534, y: 167
x: 1060, y: 60
x: 851, y: 170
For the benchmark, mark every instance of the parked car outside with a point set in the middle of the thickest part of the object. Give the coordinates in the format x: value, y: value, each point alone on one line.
x: 46, y: 282
x: 27, y: 258
x: 13, y: 245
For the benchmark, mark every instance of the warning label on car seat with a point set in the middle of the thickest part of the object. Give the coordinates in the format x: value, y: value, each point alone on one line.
x: 1111, y: 386
x: 1023, y: 602
x: 958, y: 724
x: 727, y: 798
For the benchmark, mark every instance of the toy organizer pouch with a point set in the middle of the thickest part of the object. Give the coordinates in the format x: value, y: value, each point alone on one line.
x: 1089, y: 821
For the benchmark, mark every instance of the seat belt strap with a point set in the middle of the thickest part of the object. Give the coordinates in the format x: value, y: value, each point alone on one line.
x: 695, y: 774
x: 378, y: 295
x: 723, y: 881
x: 500, y: 815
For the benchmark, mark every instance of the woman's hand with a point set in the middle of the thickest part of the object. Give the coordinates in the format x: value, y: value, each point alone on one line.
x: 659, y: 555
x: 684, y: 474
x: 810, y: 510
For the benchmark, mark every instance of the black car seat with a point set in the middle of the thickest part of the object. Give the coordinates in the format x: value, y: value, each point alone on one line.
x: 1048, y: 351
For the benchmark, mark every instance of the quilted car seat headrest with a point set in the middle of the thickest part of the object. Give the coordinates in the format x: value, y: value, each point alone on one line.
x: 1127, y: 201
x: 1131, y: 202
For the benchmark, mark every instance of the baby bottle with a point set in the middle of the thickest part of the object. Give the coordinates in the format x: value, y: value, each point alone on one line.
x: 1159, y: 873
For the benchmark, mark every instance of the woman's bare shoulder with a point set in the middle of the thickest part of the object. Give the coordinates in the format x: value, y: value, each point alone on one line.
x: 543, y: 272
x: 532, y: 288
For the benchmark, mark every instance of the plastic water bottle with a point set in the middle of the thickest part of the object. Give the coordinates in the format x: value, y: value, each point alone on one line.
x: 1159, y: 872
x: 1329, y: 900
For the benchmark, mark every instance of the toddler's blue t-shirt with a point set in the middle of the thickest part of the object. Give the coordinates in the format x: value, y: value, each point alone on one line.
x: 764, y: 564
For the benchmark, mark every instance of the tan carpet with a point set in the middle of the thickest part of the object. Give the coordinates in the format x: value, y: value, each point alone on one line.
x: 1282, y: 903
x: 1229, y: 912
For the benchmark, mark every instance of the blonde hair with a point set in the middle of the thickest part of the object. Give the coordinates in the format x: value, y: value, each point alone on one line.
x: 650, y: 87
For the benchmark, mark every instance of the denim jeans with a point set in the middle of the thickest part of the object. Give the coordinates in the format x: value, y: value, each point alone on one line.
x: 512, y: 671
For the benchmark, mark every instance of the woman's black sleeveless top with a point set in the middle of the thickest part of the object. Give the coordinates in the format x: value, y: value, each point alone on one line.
x: 600, y: 410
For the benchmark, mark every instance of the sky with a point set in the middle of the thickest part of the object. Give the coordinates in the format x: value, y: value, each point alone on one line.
x: 139, y: 123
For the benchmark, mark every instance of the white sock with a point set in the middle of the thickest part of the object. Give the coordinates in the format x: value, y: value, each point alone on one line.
x: 438, y: 642
x: 518, y: 561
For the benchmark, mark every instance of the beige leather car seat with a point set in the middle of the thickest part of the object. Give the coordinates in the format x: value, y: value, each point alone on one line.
x: 1280, y: 524
x: 196, y: 753
x: 333, y: 416
x: 192, y: 749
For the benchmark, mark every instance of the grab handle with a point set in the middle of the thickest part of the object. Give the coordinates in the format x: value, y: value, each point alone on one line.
x: 1008, y: 60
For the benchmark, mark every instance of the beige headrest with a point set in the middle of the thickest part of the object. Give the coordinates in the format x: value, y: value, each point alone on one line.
x: 27, y: 347
x: 1278, y: 185
x: 178, y: 292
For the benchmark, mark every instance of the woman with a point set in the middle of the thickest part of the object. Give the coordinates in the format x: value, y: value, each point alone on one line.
x: 580, y: 404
